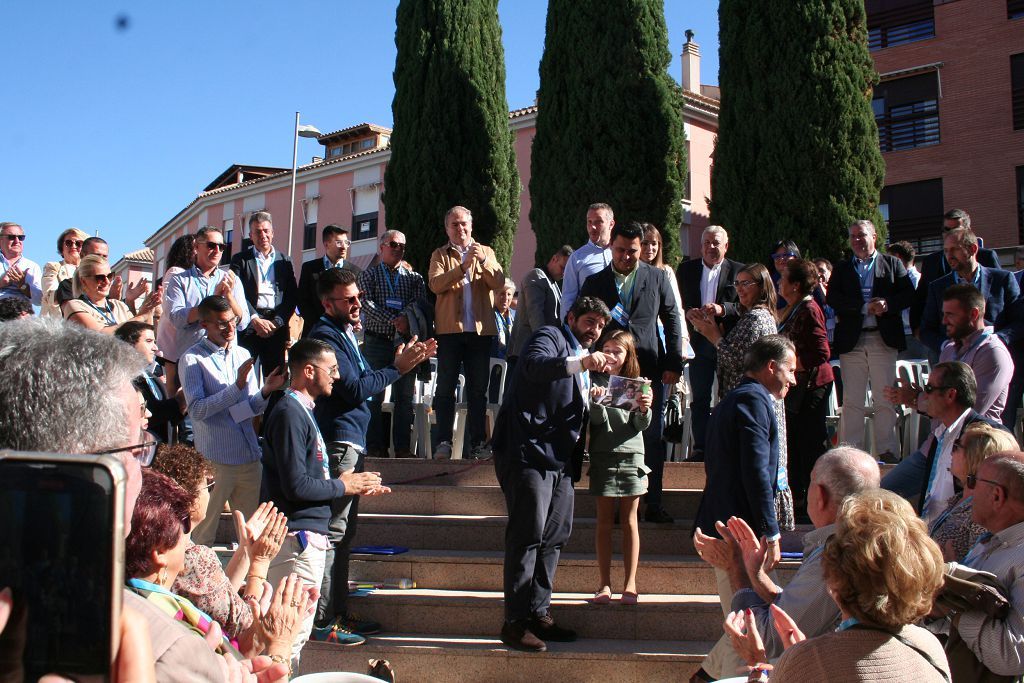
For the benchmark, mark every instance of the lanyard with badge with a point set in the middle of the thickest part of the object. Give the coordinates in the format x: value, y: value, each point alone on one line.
x: 392, y: 300
x: 224, y: 370
x: 504, y: 328
x: 321, y: 445
x: 105, y: 313
x: 619, y: 313
x: 349, y: 342
x: 211, y: 283
x: 265, y: 272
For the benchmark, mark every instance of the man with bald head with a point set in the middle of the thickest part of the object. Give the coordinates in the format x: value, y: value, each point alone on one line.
x: 837, y: 474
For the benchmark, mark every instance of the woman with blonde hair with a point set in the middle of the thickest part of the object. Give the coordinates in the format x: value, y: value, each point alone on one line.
x: 883, y: 572
x: 954, y: 530
x: 69, y: 246
x: 92, y: 308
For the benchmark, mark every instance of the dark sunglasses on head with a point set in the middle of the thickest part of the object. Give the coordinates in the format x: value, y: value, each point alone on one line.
x: 100, y: 278
x: 395, y: 245
x: 73, y: 244
x: 15, y: 238
x: 215, y: 246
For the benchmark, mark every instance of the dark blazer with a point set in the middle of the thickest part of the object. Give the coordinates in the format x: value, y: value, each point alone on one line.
x: 742, y: 461
x: 844, y: 296
x: 688, y: 276
x: 652, y: 299
x: 972, y: 417
x: 540, y: 302
x: 310, y: 307
x: 1001, y: 291
x: 244, y: 266
x: 932, y: 267
x: 541, y: 420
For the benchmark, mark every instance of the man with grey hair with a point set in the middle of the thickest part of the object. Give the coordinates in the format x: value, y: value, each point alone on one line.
x: 868, y: 293
x: 592, y: 257
x: 706, y: 284
x: 838, y: 473
x: 18, y: 275
x: 390, y: 290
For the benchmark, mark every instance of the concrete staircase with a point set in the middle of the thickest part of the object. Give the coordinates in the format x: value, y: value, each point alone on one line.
x: 451, y: 516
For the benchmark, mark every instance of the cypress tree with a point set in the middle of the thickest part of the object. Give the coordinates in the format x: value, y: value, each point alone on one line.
x: 609, y: 122
x: 797, y: 154
x: 451, y: 142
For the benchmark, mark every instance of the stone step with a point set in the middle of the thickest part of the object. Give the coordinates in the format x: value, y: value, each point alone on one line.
x: 431, y: 499
x: 476, y: 659
x: 480, y: 613
x: 476, y: 570
x: 678, y: 475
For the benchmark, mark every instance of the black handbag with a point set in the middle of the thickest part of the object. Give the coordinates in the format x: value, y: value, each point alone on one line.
x: 673, y: 430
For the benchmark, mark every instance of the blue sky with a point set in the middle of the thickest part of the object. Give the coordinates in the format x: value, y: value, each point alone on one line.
x: 117, y: 130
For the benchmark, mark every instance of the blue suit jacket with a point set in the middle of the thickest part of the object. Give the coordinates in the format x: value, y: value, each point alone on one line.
x: 542, y: 416
x: 1000, y: 289
x: 741, y: 461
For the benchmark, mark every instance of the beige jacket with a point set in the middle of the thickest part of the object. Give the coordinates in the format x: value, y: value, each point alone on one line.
x: 53, y: 273
x: 446, y: 281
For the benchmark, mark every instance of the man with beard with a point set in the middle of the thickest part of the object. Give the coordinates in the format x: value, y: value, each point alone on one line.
x: 538, y: 440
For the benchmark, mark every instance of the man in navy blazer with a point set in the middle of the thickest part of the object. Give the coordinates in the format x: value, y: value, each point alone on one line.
x: 999, y: 287
x: 268, y: 281
x: 638, y: 296
x: 868, y: 293
x: 343, y: 417
x: 706, y: 281
x: 742, y: 457
x: 538, y: 453
x: 934, y: 265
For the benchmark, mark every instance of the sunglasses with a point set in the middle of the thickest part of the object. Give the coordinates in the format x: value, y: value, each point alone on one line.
x: 143, y: 452
x: 15, y: 238
x: 73, y: 244
x: 395, y: 245
x: 785, y: 255
x: 743, y: 283
x: 928, y: 388
x: 350, y: 300
x: 973, y: 479
x: 100, y: 278
x: 215, y: 246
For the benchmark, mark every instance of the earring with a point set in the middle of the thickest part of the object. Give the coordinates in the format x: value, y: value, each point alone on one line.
x: 161, y: 577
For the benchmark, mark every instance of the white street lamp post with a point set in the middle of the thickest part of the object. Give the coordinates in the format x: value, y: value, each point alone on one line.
x: 305, y: 131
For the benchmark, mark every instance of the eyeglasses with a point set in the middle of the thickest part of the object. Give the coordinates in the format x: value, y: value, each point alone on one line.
x: 332, y: 371
x: 143, y: 452
x: 73, y: 244
x: 14, y: 238
x: 973, y: 479
x: 395, y: 245
x: 342, y: 243
x: 743, y: 283
x: 100, y: 278
x: 215, y: 246
x: 784, y: 255
x: 928, y: 388
x: 224, y: 324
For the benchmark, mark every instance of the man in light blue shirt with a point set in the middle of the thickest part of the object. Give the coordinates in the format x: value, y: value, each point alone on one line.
x: 187, y: 289
x: 592, y: 257
x: 223, y: 395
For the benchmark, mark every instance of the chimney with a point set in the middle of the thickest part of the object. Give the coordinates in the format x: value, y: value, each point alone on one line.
x: 691, y: 64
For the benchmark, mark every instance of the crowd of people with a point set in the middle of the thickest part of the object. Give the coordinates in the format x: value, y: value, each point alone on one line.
x: 274, y: 421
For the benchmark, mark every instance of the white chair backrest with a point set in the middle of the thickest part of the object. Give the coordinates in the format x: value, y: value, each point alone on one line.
x: 499, y: 377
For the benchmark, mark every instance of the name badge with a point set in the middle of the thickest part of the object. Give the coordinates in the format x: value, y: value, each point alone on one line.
x: 619, y: 315
x: 394, y: 304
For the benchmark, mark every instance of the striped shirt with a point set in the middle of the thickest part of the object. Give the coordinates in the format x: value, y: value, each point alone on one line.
x: 30, y: 288
x: 182, y: 294
x: 999, y: 643
x: 208, y: 375
x: 387, y: 291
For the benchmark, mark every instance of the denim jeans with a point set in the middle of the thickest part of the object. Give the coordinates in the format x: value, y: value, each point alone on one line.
x: 380, y: 352
x: 472, y: 353
x: 908, y: 477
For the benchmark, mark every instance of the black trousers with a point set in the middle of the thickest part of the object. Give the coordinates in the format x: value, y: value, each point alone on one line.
x: 806, y: 435
x: 540, y: 508
x: 269, y: 350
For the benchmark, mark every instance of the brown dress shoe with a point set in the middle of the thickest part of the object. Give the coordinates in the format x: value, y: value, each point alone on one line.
x: 546, y: 628
x: 518, y: 637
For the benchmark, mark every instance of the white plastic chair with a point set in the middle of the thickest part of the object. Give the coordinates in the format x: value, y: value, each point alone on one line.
x: 336, y: 677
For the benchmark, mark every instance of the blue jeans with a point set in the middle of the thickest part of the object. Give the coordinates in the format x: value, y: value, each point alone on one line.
x: 702, y: 378
x: 471, y: 352
x: 908, y: 477
x: 380, y: 353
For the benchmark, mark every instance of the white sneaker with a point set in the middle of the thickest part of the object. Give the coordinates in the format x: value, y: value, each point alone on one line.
x: 443, y: 451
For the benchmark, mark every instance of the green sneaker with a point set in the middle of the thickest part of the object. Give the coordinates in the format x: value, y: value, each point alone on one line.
x: 353, y: 623
x: 337, y: 634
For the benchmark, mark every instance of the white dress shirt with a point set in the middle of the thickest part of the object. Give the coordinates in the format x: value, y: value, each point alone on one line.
x: 709, y: 283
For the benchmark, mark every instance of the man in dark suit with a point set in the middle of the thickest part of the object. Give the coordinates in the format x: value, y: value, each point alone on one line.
x: 706, y: 281
x: 540, y: 302
x: 336, y: 244
x: 998, y: 286
x: 868, y: 293
x: 638, y: 296
x: 538, y: 453
x: 934, y: 265
x: 743, y: 450
x: 268, y: 281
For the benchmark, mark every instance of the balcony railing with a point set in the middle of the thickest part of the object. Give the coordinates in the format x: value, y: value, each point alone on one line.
x: 909, y: 126
x: 902, y: 25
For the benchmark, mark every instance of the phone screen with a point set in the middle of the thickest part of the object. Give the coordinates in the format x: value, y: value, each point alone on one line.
x: 57, y: 556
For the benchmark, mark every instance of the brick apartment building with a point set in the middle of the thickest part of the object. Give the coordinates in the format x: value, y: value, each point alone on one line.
x: 950, y: 112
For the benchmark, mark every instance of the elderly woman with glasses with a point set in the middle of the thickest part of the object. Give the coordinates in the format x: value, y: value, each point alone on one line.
x: 93, y: 309
x: 69, y: 246
x: 954, y: 530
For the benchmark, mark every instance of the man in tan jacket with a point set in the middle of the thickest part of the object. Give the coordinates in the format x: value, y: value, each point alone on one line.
x: 464, y: 275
